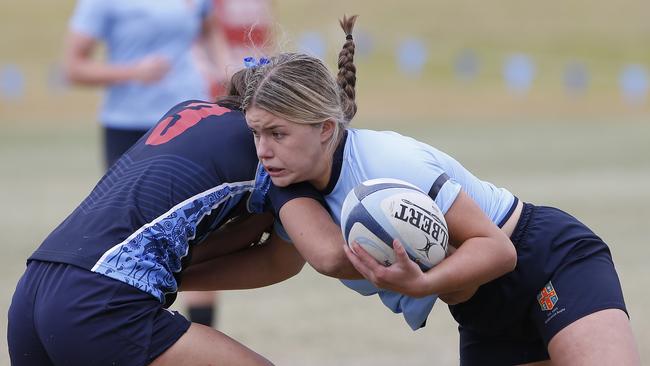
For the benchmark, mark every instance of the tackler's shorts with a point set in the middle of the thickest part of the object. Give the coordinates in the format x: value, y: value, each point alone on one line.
x: 117, y: 141
x: 65, y: 315
x: 564, y: 272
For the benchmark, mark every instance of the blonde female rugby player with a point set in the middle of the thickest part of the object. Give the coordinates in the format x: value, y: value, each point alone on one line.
x: 526, y: 283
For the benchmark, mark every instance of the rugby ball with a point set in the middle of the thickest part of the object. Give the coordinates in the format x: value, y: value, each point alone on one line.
x: 380, y: 210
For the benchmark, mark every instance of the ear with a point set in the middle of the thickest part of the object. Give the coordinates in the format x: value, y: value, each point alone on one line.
x: 327, y: 130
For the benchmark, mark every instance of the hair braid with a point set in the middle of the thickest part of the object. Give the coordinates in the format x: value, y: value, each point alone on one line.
x: 347, y: 75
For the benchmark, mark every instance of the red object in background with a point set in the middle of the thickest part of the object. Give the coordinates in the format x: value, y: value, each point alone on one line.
x: 246, y: 25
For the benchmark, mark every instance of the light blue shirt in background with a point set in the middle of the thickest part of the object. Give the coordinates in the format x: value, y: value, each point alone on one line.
x: 134, y: 29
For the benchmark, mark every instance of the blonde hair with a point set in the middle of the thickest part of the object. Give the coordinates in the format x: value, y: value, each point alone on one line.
x: 299, y: 88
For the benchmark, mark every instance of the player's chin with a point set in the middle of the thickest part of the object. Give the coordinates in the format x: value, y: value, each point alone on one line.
x: 281, y: 181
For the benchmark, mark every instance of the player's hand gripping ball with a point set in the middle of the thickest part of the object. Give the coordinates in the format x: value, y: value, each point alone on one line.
x: 380, y: 210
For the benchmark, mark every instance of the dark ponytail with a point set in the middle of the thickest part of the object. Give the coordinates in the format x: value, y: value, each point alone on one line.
x: 235, y: 91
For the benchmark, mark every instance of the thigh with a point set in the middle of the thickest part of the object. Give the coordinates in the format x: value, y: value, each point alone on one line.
x: 202, y: 345
x: 601, y: 338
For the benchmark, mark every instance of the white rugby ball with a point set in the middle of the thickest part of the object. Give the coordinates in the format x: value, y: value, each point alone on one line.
x: 380, y: 210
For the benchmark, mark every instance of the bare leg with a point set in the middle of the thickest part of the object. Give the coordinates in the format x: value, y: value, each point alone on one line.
x: 601, y: 338
x: 202, y: 345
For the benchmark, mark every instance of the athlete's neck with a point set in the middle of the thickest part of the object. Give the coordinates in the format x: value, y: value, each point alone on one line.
x: 323, y: 178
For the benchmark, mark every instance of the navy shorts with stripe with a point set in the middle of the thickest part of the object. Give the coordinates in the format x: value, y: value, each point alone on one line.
x: 65, y: 315
x: 564, y: 272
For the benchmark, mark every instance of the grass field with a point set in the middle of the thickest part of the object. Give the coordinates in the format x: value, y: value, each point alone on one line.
x: 597, y: 171
x: 588, y: 154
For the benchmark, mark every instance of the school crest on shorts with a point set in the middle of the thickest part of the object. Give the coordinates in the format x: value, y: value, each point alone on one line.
x: 547, y: 298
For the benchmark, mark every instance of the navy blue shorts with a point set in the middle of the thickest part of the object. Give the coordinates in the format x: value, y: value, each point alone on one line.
x: 564, y: 272
x: 117, y: 141
x: 61, y: 314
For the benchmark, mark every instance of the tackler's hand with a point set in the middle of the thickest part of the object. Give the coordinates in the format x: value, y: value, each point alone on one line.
x: 403, y: 276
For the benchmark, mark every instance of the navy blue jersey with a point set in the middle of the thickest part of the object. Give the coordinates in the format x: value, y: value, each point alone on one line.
x: 176, y: 185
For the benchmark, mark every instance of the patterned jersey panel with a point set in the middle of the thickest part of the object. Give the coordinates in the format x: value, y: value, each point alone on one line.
x: 149, y: 258
x: 168, y: 192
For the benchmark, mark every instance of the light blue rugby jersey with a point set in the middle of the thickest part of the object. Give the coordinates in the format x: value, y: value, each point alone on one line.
x: 367, y: 154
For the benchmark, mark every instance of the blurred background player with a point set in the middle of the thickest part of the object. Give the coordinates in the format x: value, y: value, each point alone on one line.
x: 148, y: 67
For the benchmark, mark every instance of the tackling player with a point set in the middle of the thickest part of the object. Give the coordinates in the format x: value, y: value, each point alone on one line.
x: 96, y: 290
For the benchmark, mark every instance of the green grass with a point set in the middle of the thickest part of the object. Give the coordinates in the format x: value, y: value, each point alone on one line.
x: 598, y: 171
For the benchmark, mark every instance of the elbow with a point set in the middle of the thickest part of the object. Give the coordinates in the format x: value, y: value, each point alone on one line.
x: 324, y: 266
x: 509, y: 258
x: 330, y: 266
x: 505, y: 255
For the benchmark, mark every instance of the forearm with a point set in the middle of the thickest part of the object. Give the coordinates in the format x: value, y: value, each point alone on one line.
x: 257, y: 266
x: 329, y: 260
x: 484, y: 252
x: 317, y: 238
x: 82, y: 68
x: 477, y: 261
x: 232, y: 237
x: 96, y: 73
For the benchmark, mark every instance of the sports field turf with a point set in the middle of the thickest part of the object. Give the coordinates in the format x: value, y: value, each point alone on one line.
x: 588, y: 154
x: 599, y: 172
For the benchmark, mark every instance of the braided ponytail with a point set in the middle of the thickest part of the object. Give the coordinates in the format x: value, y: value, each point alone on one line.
x: 347, y: 77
